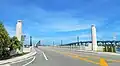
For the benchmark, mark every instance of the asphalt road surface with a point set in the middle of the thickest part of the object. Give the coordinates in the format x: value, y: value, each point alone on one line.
x: 50, y: 57
x: 53, y: 56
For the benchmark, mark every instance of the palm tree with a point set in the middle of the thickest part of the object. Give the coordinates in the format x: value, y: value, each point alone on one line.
x: 15, y: 43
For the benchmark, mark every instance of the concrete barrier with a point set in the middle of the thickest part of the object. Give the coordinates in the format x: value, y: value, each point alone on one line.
x: 26, y: 49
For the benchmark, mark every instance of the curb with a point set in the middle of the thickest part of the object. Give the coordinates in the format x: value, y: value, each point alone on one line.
x: 85, y: 51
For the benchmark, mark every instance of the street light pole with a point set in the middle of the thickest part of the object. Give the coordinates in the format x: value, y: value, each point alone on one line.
x: 78, y: 41
x: 114, y: 45
x: 61, y: 43
x: 22, y: 41
x: 53, y: 43
x: 30, y: 40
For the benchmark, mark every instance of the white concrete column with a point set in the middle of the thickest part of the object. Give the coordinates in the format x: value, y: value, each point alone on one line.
x: 94, y: 38
x: 19, y: 29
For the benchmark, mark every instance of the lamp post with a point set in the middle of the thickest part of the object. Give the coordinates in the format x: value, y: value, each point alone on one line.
x: 77, y: 41
x: 114, y: 45
x: 53, y: 43
x: 22, y: 42
x: 30, y: 40
x: 61, y: 43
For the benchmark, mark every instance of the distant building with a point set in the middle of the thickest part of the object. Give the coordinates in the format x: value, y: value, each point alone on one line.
x: 19, y: 29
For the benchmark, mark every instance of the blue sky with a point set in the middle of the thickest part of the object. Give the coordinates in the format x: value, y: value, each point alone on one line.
x: 55, y: 20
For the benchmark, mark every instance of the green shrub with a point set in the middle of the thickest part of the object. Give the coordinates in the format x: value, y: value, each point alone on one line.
x: 4, y: 42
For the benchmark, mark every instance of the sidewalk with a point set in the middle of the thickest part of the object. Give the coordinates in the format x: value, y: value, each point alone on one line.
x: 89, y: 51
x: 109, y: 53
x: 15, y: 59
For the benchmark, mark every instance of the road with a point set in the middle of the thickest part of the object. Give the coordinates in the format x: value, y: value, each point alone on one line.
x: 52, y: 56
x: 55, y: 58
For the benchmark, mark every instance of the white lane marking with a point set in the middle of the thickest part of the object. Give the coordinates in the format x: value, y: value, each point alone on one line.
x: 30, y: 61
x: 44, y: 56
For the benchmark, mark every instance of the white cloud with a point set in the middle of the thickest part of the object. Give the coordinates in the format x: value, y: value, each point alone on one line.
x: 46, y: 21
x: 39, y: 20
x: 62, y: 24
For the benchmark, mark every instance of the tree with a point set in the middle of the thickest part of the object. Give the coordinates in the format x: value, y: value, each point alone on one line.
x: 15, y: 43
x: 4, y: 42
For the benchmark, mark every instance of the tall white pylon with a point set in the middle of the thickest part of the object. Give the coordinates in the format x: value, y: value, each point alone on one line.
x: 94, y: 38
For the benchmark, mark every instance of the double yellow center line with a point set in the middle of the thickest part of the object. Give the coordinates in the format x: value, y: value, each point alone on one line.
x: 101, y: 63
x: 76, y: 56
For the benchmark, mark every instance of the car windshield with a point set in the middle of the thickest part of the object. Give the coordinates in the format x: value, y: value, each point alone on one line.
x: 59, y: 32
